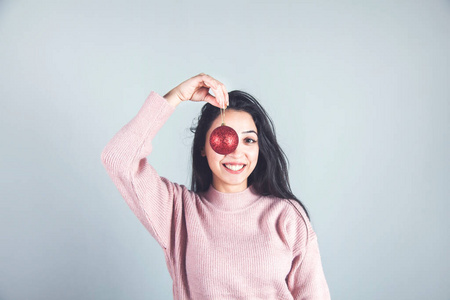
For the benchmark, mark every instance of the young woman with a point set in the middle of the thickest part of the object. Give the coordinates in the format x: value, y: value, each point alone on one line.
x: 239, y: 232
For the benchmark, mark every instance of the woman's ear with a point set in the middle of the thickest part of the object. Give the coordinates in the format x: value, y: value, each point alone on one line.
x: 202, y: 152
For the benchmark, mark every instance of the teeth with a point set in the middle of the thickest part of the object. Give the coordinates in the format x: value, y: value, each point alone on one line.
x: 234, y: 167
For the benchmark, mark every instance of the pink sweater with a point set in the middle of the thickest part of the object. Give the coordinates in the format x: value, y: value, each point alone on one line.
x: 217, y: 245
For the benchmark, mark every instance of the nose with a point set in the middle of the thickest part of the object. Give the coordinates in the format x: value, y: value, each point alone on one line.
x: 238, y: 152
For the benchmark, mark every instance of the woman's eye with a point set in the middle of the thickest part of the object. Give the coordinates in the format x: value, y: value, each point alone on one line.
x: 250, y: 141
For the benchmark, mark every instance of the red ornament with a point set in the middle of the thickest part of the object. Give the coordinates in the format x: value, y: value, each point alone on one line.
x: 224, y: 140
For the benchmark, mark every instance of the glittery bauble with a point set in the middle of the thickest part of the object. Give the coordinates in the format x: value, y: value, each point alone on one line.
x: 224, y: 140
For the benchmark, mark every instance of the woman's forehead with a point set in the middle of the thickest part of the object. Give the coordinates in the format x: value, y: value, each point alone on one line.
x: 236, y: 119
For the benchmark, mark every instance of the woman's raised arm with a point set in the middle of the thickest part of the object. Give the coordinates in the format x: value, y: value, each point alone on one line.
x: 198, y: 88
x: 156, y: 201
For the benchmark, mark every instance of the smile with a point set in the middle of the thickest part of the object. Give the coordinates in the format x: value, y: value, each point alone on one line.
x: 234, y: 167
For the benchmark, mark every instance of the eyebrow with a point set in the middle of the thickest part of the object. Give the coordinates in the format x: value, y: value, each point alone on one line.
x: 250, y: 131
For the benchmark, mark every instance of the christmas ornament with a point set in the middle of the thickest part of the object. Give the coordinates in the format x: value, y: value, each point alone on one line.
x: 224, y: 139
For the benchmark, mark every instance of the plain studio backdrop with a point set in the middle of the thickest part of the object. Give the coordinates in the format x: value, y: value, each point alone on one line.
x: 359, y: 92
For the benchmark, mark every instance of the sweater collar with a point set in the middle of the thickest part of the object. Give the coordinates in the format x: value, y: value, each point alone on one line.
x: 231, y: 201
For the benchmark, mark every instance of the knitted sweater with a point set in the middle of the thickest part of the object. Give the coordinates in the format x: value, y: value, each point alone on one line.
x: 217, y: 245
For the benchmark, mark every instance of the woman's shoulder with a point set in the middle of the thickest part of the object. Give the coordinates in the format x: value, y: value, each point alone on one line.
x: 289, y: 206
x: 180, y: 191
x: 293, y: 217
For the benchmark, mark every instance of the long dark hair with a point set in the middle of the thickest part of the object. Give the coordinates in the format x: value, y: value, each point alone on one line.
x: 270, y: 176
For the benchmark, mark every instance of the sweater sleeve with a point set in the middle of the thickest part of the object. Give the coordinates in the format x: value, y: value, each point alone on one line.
x: 306, y: 279
x: 151, y: 197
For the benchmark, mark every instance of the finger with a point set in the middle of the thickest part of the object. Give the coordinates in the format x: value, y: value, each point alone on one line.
x: 217, y: 96
x: 218, y: 92
x: 225, y: 94
x: 215, y: 85
x: 203, y: 94
x: 208, y: 81
x: 220, y: 97
x: 221, y: 91
x: 212, y: 100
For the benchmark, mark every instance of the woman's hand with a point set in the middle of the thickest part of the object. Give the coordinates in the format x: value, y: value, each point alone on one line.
x: 197, y: 88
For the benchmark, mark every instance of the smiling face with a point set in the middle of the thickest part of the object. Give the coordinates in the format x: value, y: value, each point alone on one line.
x: 230, y: 172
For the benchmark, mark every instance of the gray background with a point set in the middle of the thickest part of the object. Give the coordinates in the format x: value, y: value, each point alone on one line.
x: 358, y: 90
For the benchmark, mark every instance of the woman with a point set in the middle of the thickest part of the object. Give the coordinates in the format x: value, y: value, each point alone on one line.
x: 239, y: 233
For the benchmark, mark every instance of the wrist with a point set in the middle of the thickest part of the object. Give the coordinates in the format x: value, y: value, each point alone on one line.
x: 172, y: 98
